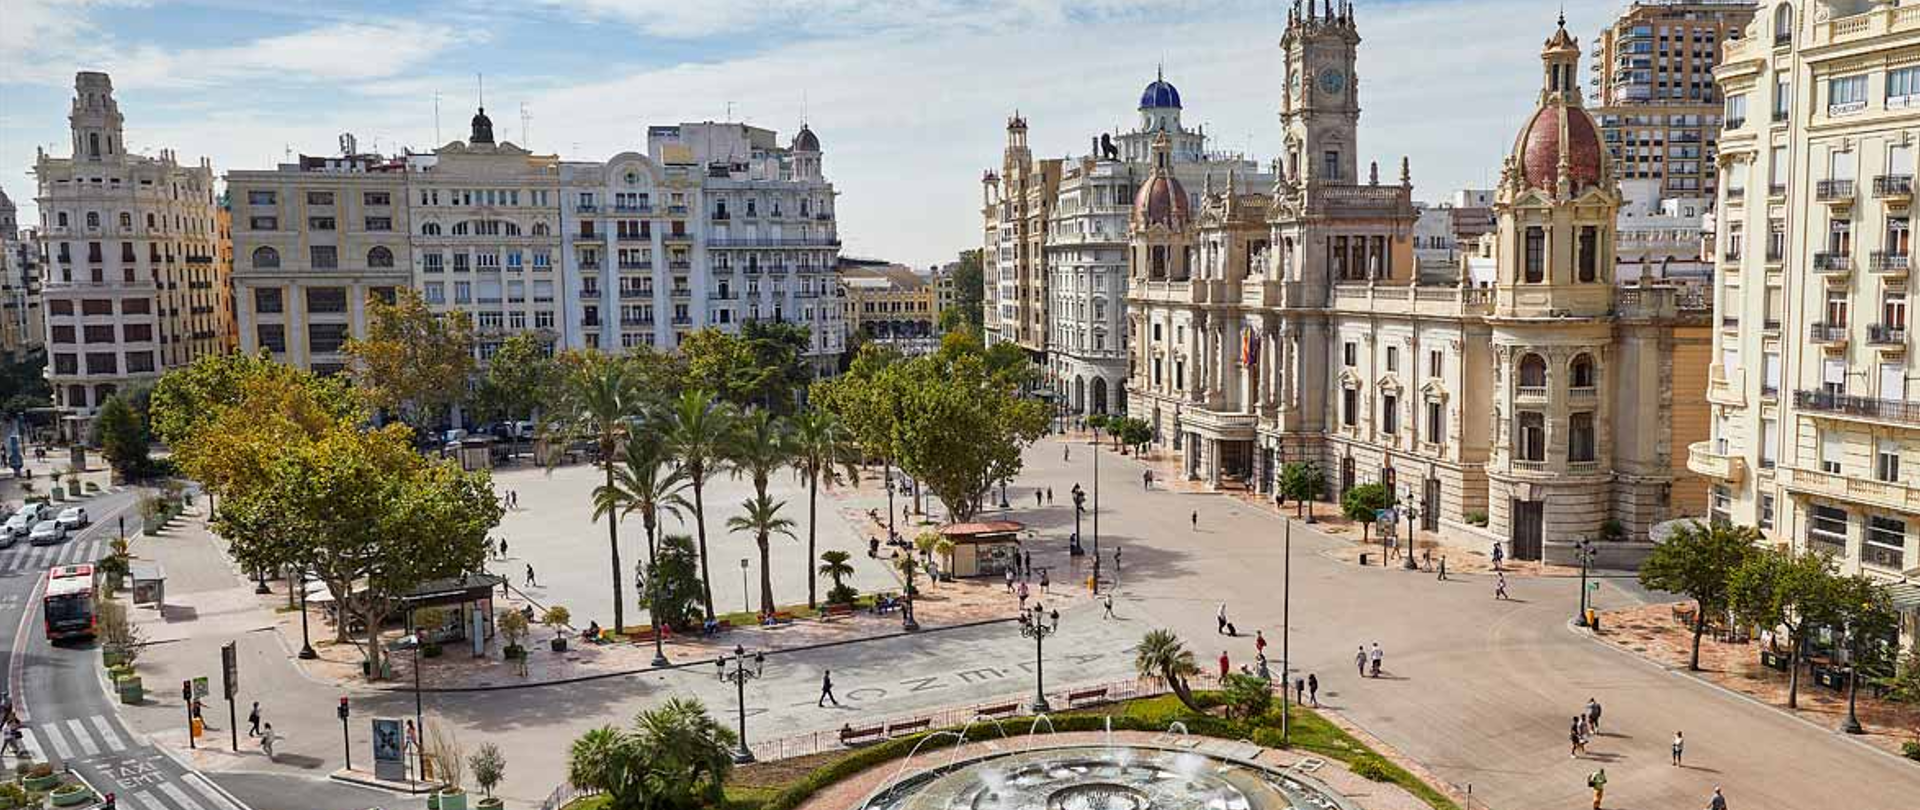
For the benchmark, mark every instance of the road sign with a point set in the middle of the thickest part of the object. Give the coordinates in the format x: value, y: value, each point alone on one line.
x: 200, y: 687
x: 229, y: 671
x: 1593, y: 586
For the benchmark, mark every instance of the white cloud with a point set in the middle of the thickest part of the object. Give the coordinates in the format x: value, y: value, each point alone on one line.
x: 677, y: 18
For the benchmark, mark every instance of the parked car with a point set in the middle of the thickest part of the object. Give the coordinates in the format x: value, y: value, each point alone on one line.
x: 73, y: 517
x: 17, y: 527
x: 34, y: 510
x: 47, y: 533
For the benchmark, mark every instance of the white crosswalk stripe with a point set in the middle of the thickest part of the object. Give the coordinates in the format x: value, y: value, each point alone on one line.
x: 214, y: 798
x: 108, y: 734
x: 81, y: 736
x: 180, y: 797
x: 57, y: 740
x: 142, y: 800
x: 29, y: 740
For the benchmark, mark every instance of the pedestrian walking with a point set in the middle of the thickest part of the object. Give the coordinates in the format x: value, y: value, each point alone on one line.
x: 1260, y: 662
x: 1116, y: 559
x: 1259, y: 642
x: 1066, y: 452
x: 1598, y: 781
x: 826, y: 689
x: 1038, y: 496
x: 1375, y: 657
x: 1679, y: 748
x: 503, y: 548
x: 1426, y: 559
x: 1299, y: 690
x: 530, y: 575
x: 1313, y: 689
x: 1028, y: 557
x: 1220, y: 620
x: 253, y: 720
x: 1497, y: 555
x: 1195, y: 518
x: 267, y: 740
x: 1718, y: 802
x: 14, y: 741
x: 1443, y: 568
x: 1023, y: 596
x: 1108, y: 601
x: 1360, y: 661
x: 1578, y: 740
x: 1500, y: 585
x: 1049, y: 494
x: 1044, y: 582
x: 1224, y: 667
x: 1010, y: 579
x: 1593, y: 713
x: 1146, y: 480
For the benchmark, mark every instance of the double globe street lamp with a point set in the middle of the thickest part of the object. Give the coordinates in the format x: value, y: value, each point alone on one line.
x: 1034, y: 624
x: 739, y: 676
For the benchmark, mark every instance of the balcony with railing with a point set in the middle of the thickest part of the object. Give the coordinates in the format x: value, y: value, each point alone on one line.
x: 632, y: 208
x: 1884, y: 494
x: 1891, y: 263
x: 1829, y: 335
x: 680, y: 264
x: 632, y: 293
x: 1893, y: 186
x: 1836, y: 192
x: 1887, y: 336
x: 1833, y: 263
x: 635, y: 264
x: 1726, y: 387
x: 588, y: 236
x: 677, y: 238
x: 1716, y: 462
x: 1897, y: 411
x: 677, y: 210
x: 1530, y: 391
x: 586, y: 208
x: 632, y: 236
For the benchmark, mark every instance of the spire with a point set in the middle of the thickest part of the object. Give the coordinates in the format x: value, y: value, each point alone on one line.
x: 1406, y: 172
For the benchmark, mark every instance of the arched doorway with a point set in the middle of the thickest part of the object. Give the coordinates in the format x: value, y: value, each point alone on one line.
x: 1079, y: 394
x: 1099, y: 395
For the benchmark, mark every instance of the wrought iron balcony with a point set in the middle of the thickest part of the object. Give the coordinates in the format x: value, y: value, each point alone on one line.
x: 1833, y: 191
x: 1830, y: 334
x: 1889, y: 410
x: 1892, y: 186
x: 1830, y: 262
x: 1892, y: 263
x: 1883, y: 335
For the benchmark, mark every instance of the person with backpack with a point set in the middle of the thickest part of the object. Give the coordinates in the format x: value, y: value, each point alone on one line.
x: 1598, y: 781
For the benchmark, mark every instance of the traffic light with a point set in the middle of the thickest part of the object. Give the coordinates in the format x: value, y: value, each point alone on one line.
x: 343, y: 707
x: 108, y: 803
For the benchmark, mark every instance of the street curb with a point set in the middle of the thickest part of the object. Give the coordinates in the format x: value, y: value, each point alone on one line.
x: 1681, y: 672
x: 446, y: 690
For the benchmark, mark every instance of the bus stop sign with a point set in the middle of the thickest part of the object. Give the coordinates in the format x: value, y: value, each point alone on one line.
x: 229, y: 671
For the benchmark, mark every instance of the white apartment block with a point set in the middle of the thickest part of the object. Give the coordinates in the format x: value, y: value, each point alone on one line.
x: 23, y: 328
x: 135, y: 281
x: 1816, y: 412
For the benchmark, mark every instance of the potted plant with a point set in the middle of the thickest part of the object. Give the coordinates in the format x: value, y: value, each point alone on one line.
x: 452, y: 797
x: 489, y: 767
x: 41, y: 778
x: 450, y: 762
x: 513, y: 625
x: 70, y: 794
x: 15, y: 796
x: 556, y: 619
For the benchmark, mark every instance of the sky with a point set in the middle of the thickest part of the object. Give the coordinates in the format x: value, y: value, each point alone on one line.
x: 909, y: 97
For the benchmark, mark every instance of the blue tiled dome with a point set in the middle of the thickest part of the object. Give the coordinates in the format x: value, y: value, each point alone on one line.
x: 1159, y: 94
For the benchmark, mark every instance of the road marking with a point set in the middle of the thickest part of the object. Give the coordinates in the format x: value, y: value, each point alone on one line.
x: 179, y: 796
x: 59, y: 742
x: 80, y: 735
x: 107, y: 734
x: 204, y: 786
x: 143, y: 800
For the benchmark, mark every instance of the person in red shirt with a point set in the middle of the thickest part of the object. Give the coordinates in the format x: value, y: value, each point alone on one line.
x: 1223, y: 665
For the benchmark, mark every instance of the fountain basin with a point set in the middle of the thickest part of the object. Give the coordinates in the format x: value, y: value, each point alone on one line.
x: 1106, y: 777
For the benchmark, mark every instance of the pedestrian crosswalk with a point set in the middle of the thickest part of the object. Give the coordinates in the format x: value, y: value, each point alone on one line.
x: 140, y: 777
x: 32, y: 559
x: 169, y: 795
x: 76, y: 738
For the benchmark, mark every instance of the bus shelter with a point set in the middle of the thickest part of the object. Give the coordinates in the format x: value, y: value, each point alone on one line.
x: 463, y: 607
x: 984, y: 549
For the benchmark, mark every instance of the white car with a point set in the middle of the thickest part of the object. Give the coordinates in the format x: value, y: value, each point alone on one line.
x: 34, y: 510
x: 73, y: 517
x: 17, y: 526
x: 47, y: 533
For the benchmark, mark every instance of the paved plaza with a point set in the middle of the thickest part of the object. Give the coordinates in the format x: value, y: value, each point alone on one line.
x: 1477, y: 690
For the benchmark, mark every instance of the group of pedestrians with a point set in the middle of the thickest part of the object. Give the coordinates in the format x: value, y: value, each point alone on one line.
x: 11, y: 737
x: 1367, y: 659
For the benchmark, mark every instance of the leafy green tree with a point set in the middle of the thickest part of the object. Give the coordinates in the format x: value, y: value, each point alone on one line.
x: 413, y: 361
x: 969, y: 292
x: 823, y: 450
x: 762, y: 520
x: 595, y: 400
x: 647, y: 483
x: 1302, y: 482
x: 122, y: 437
x: 1777, y: 588
x: 1362, y: 502
x: 1162, y: 656
x: 1136, y: 433
x: 833, y: 566
x: 518, y: 380
x: 779, y: 349
x: 698, y: 436
x: 960, y: 429
x: 23, y: 384
x: 676, y: 757
x: 1698, y: 561
x: 1869, y: 628
x: 1247, y: 696
x: 674, y: 579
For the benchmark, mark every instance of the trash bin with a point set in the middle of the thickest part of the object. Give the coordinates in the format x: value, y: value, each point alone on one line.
x: 1363, y: 559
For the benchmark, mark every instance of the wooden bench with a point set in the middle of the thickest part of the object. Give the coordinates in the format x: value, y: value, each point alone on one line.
x: 850, y: 736
x: 1683, y: 614
x: 831, y: 612
x: 1086, y: 694
x: 906, y: 727
x: 992, y: 712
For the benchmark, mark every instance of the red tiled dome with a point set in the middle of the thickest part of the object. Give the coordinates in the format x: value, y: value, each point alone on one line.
x: 1554, y: 129
x: 1161, y: 201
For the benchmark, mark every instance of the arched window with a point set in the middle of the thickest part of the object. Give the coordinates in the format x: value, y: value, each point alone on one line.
x: 460, y: 229
x: 266, y: 258
x: 429, y: 229
x: 1580, y: 372
x: 539, y: 229
x: 126, y: 219
x: 379, y: 256
x: 93, y: 219
x: 1782, y: 24
x: 513, y: 229
x: 1533, y: 372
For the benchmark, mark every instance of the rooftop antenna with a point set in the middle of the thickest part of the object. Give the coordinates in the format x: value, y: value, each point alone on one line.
x: 729, y: 111
x: 526, y: 121
x: 803, y: 108
x: 481, y: 80
x: 436, y: 119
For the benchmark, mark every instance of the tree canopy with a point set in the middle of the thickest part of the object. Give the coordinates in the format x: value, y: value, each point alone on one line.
x: 413, y: 360
x: 1698, y: 561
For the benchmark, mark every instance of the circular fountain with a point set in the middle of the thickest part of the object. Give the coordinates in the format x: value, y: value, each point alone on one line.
x: 1106, y: 777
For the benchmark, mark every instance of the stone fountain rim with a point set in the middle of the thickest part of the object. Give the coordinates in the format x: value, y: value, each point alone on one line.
x: 1339, y: 799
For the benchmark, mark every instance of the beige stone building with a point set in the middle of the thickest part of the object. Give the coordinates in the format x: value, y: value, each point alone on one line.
x: 315, y: 240
x: 894, y: 305
x: 1816, y: 415
x: 1017, y: 203
x: 134, y: 280
x: 1654, y: 94
x: 1292, y: 325
x: 23, y: 328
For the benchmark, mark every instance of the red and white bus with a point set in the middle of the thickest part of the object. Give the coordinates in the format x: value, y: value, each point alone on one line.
x: 68, y: 605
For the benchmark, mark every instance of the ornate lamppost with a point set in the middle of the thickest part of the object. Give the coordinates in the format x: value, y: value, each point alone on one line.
x: 1034, y: 625
x: 739, y: 676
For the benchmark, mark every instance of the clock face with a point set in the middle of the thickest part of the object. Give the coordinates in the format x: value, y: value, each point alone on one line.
x: 1333, y: 80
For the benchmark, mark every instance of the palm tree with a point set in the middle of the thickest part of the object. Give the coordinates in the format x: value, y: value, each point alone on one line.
x: 822, y: 448
x: 688, y: 754
x: 833, y: 566
x: 647, y: 483
x: 1161, y: 655
x: 697, y: 440
x: 603, y: 759
x: 596, y: 397
x: 763, y: 520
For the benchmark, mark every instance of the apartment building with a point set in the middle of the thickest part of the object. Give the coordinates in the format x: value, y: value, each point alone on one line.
x: 134, y: 280
x: 1016, y: 204
x: 1654, y: 94
x: 893, y: 305
x: 315, y: 241
x: 1816, y: 415
x: 23, y: 328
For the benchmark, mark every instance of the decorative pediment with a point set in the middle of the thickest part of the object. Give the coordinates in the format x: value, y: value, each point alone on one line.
x: 1388, y: 384
x: 1350, y: 380
x: 1434, y: 391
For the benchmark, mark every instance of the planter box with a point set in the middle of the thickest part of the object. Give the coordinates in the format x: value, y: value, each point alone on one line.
x: 453, y: 799
x: 42, y: 784
x: 131, y: 692
x: 1773, y: 660
x: 112, y: 658
x: 72, y: 799
x: 1830, y: 677
x: 559, y: 645
x: 490, y: 803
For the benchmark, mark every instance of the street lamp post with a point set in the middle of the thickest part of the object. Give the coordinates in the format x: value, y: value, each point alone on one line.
x: 739, y: 677
x: 1033, y: 625
x: 1852, y: 724
x: 746, y: 600
x: 1410, y: 565
x: 306, y: 640
x: 1095, y: 452
x: 1584, y: 550
x: 1286, y: 605
x: 1079, y: 506
x: 1003, y: 493
x: 412, y: 642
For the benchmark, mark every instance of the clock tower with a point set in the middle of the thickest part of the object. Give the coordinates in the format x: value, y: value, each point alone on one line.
x: 1320, y: 107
